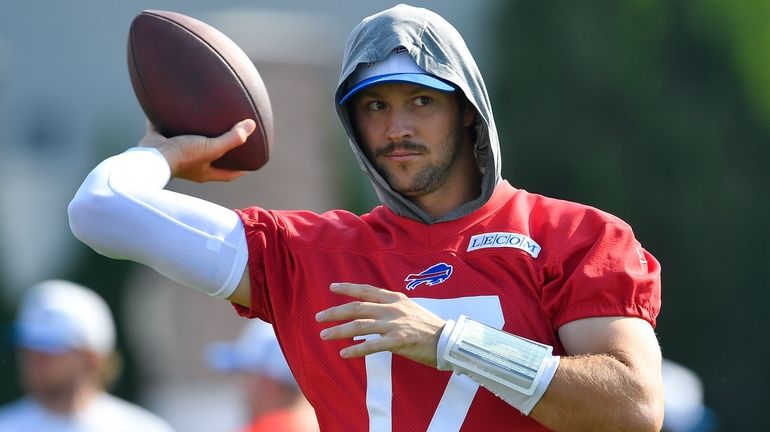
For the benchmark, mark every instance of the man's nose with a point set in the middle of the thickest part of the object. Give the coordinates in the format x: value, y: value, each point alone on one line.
x: 400, y: 125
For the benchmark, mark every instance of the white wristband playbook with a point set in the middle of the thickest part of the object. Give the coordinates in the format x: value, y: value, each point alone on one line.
x: 516, y: 369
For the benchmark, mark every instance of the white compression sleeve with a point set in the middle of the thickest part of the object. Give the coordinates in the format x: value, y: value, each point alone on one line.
x: 515, y: 369
x: 122, y: 211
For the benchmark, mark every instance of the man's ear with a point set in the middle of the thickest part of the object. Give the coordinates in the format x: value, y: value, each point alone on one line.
x: 469, y: 115
x: 468, y: 111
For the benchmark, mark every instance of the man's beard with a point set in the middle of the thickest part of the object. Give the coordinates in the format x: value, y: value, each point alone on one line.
x: 430, y: 176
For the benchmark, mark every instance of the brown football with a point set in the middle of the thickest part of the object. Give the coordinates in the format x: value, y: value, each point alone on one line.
x: 189, y: 78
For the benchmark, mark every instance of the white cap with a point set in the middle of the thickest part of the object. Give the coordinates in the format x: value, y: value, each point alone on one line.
x: 57, y: 316
x: 398, y: 66
x: 683, y: 400
x: 255, y: 351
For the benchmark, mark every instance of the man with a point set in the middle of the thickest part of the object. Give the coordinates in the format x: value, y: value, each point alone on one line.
x: 275, y: 402
x: 423, y: 284
x: 66, y: 340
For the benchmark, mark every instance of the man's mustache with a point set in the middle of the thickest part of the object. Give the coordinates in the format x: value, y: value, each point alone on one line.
x: 403, y: 145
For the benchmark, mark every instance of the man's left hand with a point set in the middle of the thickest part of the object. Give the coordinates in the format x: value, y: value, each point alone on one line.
x: 405, y: 328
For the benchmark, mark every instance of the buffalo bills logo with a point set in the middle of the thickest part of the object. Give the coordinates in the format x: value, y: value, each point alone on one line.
x: 434, y: 275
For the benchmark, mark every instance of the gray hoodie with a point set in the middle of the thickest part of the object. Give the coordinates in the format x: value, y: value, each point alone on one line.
x: 439, y: 49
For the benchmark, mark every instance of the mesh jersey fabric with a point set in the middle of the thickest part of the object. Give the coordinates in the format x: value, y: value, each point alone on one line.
x: 588, y: 264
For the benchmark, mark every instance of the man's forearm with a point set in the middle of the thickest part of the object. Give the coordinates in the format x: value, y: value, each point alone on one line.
x: 599, y: 393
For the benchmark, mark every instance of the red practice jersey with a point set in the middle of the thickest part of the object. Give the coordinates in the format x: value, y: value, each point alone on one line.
x: 524, y: 263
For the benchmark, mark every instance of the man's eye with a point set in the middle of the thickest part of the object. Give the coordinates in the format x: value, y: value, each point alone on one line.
x: 422, y: 100
x: 375, y: 105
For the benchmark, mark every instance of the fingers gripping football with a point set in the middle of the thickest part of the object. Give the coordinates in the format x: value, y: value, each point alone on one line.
x: 404, y: 327
x: 190, y: 156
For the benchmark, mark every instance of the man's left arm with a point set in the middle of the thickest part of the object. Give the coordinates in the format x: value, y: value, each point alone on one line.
x: 610, y: 379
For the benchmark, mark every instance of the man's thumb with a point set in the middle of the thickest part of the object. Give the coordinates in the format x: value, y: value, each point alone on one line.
x: 246, y: 127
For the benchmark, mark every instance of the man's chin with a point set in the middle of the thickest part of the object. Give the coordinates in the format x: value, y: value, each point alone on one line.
x: 409, y: 186
x: 408, y: 191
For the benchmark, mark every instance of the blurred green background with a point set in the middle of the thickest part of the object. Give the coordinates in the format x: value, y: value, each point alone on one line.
x: 656, y: 111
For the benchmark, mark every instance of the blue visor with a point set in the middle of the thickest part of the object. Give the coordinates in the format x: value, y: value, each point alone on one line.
x: 52, y: 339
x: 413, y: 78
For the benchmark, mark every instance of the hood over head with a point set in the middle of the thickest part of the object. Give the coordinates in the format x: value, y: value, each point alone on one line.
x: 438, y: 49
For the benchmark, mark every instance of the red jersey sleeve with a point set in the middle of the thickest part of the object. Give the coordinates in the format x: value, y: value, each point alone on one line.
x: 603, y: 271
x: 275, y: 272
x: 262, y: 228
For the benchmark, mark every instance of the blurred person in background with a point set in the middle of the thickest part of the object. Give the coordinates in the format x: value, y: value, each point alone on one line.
x: 684, y: 410
x: 275, y: 402
x: 65, y: 338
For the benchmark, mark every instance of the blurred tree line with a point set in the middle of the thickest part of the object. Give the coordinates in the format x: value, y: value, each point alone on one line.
x: 657, y: 111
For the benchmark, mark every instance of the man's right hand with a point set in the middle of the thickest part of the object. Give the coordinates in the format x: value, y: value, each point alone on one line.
x: 190, y: 156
